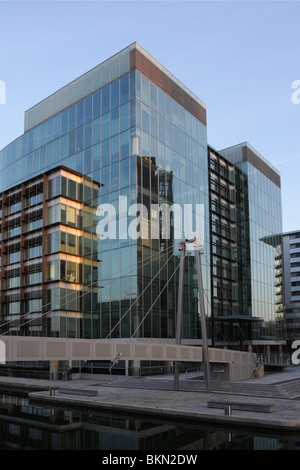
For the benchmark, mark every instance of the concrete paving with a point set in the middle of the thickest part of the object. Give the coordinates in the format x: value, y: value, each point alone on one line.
x: 180, y: 405
x: 287, y: 374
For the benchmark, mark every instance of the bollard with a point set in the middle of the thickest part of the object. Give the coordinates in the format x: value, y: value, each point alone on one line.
x: 227, y: 410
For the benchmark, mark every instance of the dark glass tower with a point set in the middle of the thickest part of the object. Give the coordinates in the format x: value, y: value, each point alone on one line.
x: 259, y: 227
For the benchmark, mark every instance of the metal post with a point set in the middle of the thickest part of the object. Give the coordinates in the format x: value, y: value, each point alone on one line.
x: 179, y: 311
x: 202, y: 312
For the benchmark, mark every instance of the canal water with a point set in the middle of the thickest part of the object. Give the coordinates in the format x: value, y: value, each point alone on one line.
x: 26, y: 426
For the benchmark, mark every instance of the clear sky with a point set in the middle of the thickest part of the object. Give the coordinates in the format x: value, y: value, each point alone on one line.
x: 239, y: 57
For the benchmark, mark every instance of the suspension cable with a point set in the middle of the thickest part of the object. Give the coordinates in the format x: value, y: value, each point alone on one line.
x: 142, y: 321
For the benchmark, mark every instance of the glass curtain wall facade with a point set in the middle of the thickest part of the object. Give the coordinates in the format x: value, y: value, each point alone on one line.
x: 46, y: 254
x: 139, y: 136
x: 171, y: 169
x: 259, y: 228
x: 224, y: 267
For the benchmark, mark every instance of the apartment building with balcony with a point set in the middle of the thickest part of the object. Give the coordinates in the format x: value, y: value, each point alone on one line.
x: 291, y: 282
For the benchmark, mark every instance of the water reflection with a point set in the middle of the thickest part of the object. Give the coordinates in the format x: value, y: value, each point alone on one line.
x: 23, y: 425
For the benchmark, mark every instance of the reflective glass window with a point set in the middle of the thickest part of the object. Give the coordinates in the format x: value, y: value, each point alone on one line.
x: 96, y: 104
x: 114, y: 88
x: 79, y: 113
x: 88, y: 108
x: 105, y: 99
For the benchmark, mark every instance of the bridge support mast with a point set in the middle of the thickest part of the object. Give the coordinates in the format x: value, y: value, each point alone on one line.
x: 179, y: 310
x: 202, y: 312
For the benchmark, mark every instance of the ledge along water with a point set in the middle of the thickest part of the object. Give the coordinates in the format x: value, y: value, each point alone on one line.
x: 255, y: 403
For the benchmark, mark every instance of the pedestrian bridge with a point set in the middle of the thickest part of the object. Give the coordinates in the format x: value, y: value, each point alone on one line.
x: 235, y: 364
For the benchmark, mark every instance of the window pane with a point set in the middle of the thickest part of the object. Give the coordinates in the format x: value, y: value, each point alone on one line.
x: 71, y: 216
x: 115, y: 94
x: 124, y: 89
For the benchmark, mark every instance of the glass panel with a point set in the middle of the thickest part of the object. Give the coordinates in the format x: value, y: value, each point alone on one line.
x: 96, y: 104
x: 114, y: 94
x: 71, y: 216
x: 88, y: 108
x: 115, y: 67
x: 72, y: 189
x: 124, y: 89
x: 105, y: 72
x: 145, y: 90
x: 97, y: 80
x: 105, y: 99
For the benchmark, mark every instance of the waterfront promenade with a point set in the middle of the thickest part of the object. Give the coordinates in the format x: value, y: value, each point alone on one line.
x: 154, y: 396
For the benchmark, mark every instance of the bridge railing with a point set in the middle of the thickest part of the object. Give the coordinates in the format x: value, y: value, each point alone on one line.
x: 278, y: 360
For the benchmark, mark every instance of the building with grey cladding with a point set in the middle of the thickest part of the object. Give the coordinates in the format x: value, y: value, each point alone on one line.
x: 130, y: 128
x: 291, y: 277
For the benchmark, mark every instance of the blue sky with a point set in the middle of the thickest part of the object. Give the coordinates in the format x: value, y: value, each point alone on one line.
x: 239, y: 57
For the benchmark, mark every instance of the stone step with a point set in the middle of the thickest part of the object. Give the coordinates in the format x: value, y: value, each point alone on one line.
x: 243, y: 406
x: 261, y: 390
x: 290, y: 388
x: 80, y: 391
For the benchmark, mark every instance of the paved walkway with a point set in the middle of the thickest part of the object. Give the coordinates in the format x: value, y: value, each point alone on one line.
x: 288, y: 373
x: 165, y: 403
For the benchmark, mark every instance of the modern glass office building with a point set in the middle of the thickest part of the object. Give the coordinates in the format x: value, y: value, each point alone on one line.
x: 132, y: 130
x: 129, y: 134
x: 259, y: 228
